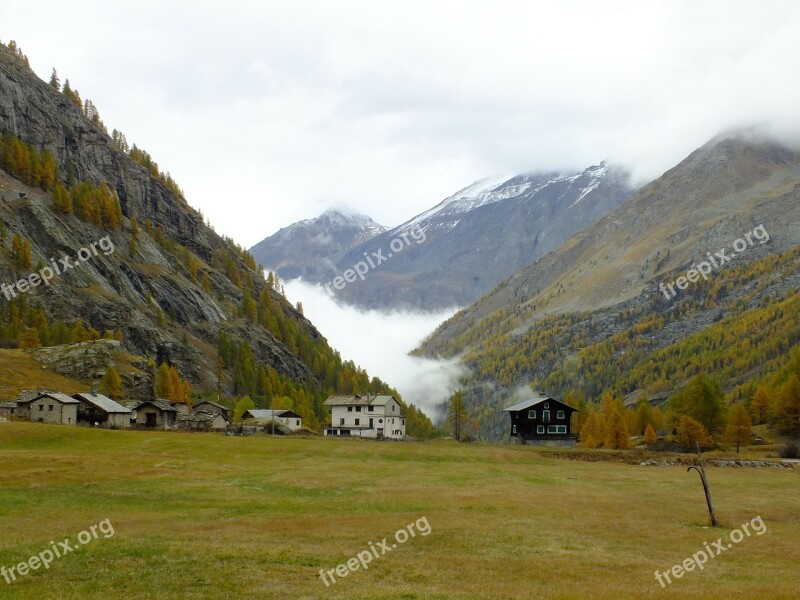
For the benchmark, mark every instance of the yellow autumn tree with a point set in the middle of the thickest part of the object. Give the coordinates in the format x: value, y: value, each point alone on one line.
x: 739, y: 430
x: 650, y: 436
x: 111, y: 385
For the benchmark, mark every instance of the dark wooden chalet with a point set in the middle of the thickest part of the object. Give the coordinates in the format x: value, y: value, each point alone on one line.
x: 542, y: 419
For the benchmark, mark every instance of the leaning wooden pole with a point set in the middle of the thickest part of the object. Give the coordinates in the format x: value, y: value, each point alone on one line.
x: 702, y: 471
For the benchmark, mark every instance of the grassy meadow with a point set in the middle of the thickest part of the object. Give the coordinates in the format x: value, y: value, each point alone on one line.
x: 204, y: 516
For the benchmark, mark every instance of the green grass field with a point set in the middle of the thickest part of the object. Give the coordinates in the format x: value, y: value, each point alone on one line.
x: 207, y: 516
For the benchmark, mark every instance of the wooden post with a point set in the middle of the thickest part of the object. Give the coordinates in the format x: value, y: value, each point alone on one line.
x: 702, y: 471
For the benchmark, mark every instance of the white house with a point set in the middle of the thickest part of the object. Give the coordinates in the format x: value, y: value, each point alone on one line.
x: 366, y: 416
x: 287, y: 417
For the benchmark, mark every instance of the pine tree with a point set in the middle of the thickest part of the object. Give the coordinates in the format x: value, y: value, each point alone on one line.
x: 55, y: 82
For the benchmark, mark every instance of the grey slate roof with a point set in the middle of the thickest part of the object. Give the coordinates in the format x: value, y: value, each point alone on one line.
x: 199, y: 417
x: 103, y: 403
x: 365, y: 400
x: 57, y: 396
x: 533, y: 402
x: 164, y: 405
x: 225, y: 408
x: 8, y: 405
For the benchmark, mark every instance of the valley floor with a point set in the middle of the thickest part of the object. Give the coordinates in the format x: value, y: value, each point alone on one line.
x: 202, y: 516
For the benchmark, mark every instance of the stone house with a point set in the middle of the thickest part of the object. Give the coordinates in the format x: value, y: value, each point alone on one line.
x: 97, y: 408
x: 158, y: 413
x: 202, y: 421
x: 53, y: 407
x: 213, y: 407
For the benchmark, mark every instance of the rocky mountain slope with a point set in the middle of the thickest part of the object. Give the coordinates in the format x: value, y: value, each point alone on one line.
x: 598, y: 314
x: 477, y: 237
x: 717, y: 194
x: 309, y: 249
x: 169, y: 287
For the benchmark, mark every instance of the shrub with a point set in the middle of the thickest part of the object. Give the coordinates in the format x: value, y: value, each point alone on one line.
x: 790, y: 450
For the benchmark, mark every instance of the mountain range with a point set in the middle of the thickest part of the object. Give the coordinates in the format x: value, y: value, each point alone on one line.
x: 472, y: 240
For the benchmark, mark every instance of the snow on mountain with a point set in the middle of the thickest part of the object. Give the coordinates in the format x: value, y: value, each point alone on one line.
x: 490, y: 190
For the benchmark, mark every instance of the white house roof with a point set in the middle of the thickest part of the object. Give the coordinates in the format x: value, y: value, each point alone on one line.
x: 533, y: 402
x: 104, y: 403
x: 360, y: 400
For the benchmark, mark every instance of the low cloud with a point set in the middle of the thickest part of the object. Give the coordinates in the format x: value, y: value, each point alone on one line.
x: 380, y: 342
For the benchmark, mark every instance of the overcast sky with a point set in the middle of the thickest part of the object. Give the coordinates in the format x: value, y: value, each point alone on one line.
x: 269, y: 112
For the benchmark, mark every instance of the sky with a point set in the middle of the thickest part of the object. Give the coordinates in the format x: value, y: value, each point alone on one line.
x: 270, y: 112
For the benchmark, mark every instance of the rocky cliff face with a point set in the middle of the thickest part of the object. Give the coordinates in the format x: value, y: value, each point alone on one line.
x: 110, y: 291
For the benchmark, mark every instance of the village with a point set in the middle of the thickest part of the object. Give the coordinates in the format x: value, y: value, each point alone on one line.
x: 371, y: 417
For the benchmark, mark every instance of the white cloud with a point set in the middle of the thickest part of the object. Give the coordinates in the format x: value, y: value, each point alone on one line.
x: 380, y: 342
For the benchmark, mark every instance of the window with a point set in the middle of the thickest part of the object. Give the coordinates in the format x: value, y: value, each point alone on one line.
x: 358, y: 421
x: 297, y: 422
x: 513, y: 429
x: 41, y: 407
x: 349, y: 409
x: 547, y: 405
x: 341, y: 421
x: 532, y: 415
x: 546, y: 416
x: 560, y: 414
x: 393, y: 407
x: 540, y: 429
x: 50, y: 407
x: 371, y: 409
x: 358, y: 409
x: 556, y: 429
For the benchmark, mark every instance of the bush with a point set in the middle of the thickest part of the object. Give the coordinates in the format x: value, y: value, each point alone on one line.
x: 790, y: 450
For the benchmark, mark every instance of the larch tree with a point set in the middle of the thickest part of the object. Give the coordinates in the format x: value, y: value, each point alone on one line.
x: 739, y: 430
x: 111, y: 385
x: 650, y: 436
x: 788, y: 407
x: 761, y: 404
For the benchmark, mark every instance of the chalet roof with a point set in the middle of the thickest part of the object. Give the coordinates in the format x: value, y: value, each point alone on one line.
x: 57, y: 396
x: 104, y: 403
x: 161, y: 404
x: 357, y: 400
x: 257, y: 413
x: 533, y: 402
x: 199, y: 417
x: 26, y: 396
x: 225, y: 408
x: 8, y: 405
